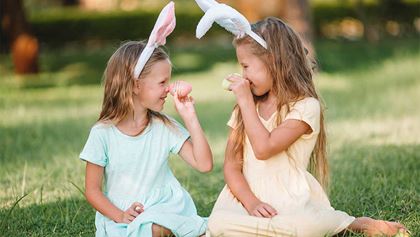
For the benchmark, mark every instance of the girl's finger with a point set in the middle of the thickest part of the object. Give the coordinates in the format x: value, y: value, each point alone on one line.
x: 233, y: 86
x: 234, y: 77
x: 263, y: 212
x: 130, y: 218
x: 139, y: 209
x: 270, y: 210
x: 256, y: 213
x: 136, y: 204
x: 136, y: 207
x: 132, y: 212
x: 176, y: 99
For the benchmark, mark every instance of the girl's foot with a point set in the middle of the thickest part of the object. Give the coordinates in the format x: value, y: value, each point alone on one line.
x: 372, y: 227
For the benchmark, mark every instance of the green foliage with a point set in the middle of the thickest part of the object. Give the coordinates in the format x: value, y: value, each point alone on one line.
x: 65, y: 25
x: 62, y: 25
x: 370, y: 91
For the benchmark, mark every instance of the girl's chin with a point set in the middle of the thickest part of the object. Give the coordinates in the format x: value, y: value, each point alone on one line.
x: 258, y: 93
x: 157, y: 108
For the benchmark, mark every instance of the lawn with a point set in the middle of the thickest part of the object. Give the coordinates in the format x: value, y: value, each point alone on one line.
x: 371, y: 92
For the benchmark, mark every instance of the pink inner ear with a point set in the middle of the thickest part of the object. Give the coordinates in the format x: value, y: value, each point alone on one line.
x: 167, y: 26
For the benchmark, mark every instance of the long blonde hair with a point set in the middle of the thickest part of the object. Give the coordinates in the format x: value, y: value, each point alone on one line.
x: 119, y: 82
x: 287, y: 63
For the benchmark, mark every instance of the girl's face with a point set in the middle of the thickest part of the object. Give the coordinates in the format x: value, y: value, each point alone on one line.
x: 254, y: 70
x: 151, y: 91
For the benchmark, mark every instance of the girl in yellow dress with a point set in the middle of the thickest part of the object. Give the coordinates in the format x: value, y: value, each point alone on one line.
x: 277, y: 136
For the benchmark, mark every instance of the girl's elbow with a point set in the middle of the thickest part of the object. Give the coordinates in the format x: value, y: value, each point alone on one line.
x: 206, y: 168
x: 262, y: 155
x: 267, y: 152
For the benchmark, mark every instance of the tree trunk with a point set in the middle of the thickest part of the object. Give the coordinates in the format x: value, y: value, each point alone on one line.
x: 24, y: 46
x: 251, y: 9
x: 69, y: 3
x: 295, y: 12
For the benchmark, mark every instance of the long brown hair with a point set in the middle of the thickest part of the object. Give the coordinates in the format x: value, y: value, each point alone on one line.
x: 288, y: 65
x: 119, y: 82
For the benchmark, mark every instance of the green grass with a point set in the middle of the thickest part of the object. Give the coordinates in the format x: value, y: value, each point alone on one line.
x: 373, y: 120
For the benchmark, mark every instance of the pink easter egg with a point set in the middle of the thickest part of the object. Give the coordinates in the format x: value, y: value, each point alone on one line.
x: 181, y: 87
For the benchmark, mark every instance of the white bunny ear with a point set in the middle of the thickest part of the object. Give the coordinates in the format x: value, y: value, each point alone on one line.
x: 227, y: 17
x: 206, y: 4
x: 164, y: 25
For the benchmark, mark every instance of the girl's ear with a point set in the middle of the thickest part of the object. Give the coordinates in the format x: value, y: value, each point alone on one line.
x: 136, y: 87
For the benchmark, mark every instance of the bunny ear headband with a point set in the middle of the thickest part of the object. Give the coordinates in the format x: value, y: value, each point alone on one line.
x: 227, y: 17
x: 164, y: 25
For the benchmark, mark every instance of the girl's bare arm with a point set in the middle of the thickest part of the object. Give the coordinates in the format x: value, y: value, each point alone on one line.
x: 94, y: 195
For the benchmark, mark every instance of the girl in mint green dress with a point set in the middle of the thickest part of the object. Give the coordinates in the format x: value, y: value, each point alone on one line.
x: 128, y: 149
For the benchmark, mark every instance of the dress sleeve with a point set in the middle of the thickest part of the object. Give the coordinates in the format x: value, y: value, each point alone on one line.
x: 307, y: 110
x: 177, y: 136
x: 232, y: 121
x: 95, y: 150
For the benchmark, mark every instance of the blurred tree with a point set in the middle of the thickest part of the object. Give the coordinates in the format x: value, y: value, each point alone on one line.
x: 297, y: 13
x: 70, y: 2
x: 106, y: 5
x: 23, y: 45
x: 370, y: 31
x: 375, y: 22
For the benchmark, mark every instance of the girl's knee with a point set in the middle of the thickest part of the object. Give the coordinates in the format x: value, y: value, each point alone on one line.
x: 160, y: 231
x: 217, y: 224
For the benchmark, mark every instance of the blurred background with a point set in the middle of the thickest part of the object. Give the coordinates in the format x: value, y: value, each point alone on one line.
x: 53, y: 54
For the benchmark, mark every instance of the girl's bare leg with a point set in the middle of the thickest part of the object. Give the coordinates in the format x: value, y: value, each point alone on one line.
x: 372, y: 227
x: 160, y: 231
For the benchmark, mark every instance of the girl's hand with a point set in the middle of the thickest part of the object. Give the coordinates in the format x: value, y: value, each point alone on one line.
x: 241, y: 88
x: 184, y: 106
x: 131, y: 213
x: 261, y: 209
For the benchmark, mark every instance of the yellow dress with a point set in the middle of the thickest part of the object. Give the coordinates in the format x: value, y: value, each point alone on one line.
x: 283, y: 182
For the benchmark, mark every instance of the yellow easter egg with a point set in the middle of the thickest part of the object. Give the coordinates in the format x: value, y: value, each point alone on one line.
x: 225, y: 84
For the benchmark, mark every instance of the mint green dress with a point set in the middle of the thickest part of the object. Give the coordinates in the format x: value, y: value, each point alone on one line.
x: 137, y: 170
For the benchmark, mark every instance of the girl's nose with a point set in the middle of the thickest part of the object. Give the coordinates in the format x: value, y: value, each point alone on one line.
x: 167, y: 89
